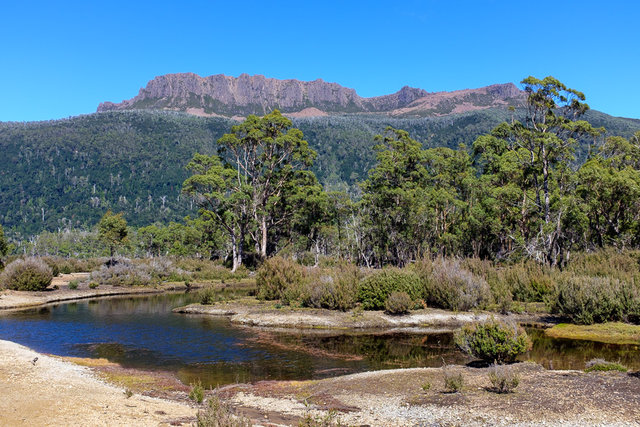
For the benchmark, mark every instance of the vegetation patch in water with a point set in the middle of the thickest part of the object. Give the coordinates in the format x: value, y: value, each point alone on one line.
x: 611, y: 332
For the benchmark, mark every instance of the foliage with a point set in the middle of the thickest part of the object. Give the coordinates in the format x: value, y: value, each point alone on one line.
x: 207, y: 295
x: 453, y: 382
x: 503, y: 379
x: 493, y: 341
x: 398, y: 303
x: 334, y: 288
x: 279, y: 278
x: 448, y: 285
x: 73, y: 285
x: 112, y: 230
x: 93, y: 285
x: 587, y: 300
x: 376, y: 288
x: 601, y: 365
x: 197, y: 392
x: 219, y: 413
x: 30, y: 274
x: 4, y: 246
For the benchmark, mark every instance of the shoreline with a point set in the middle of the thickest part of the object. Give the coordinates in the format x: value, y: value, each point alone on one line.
x: 265, y: 314
x: 75, y: 391
x: 23, y: 300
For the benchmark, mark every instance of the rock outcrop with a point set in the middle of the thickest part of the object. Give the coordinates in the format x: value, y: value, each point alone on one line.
x: 243, y: 95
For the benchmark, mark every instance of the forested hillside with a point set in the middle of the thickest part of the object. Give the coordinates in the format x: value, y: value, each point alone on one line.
x: 67, y: 173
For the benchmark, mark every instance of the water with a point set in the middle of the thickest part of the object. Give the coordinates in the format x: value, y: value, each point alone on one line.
x: 142, y: 332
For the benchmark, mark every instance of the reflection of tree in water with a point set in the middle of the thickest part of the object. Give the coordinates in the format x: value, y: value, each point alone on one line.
x: 558, y: 353
x: 384, y: 350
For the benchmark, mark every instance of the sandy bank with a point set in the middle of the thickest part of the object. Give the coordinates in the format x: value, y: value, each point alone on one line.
x: 54, y: 392
x: 18, y: 300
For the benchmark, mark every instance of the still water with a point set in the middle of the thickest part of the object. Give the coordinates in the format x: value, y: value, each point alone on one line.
x: 142, y: 332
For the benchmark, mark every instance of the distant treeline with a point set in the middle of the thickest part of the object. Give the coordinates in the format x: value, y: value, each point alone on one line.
x: 65, y: 174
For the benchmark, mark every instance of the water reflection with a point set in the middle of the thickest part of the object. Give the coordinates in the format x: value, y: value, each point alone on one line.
x: 142, y: 332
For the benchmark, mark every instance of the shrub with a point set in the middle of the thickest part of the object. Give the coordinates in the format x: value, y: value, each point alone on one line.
x: 334, y: 288
x: 529, y: 282
x: 124, y: 273
x: 493, y: 341
x: 376, y: 288
x: 220, y: 414
x: 73, y: 284
x: 279, y: 278
x: 448, y: 285
x: 588, y: 300
x: 602, y: 365
x: 93, y: 285
x: 453, y: 382
x: 207, y: 295
x: 30, y: 274
x: 503, y: 379
x: 197, y: 392
x: 398, y: 303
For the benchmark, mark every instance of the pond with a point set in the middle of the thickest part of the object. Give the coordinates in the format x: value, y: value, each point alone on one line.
x: 142, y: 332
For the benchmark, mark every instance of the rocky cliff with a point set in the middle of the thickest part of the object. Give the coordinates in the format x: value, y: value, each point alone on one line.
x: 239, y: 96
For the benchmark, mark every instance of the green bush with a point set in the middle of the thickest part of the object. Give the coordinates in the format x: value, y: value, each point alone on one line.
x: 93, y: 285
x: 73, y: 284
x: 601, y: 365
x: 448, y: 285
x: 503, y: 379
x: 398, y: 303
x: 30, y: 274
x: 333, y: 288
x: 588, y: 300
x: 197, y: 392
x: 208, y: 295
x: 529, y: 282
x: 279, y: 278
x: 493, y: 341
x: 376, y: 288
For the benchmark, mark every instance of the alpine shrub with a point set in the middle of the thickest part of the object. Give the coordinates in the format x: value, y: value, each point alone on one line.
x: 448, y: 285
x: 493, y: 341
x: 279, y: 278
x: 30, y: 274
x: 398, y: 303
x: 376, y: 288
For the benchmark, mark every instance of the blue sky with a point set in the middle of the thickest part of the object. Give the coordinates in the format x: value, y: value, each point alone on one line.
x: 61, y: 60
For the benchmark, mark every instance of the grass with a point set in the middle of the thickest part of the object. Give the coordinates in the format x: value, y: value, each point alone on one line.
x: 610, y: 333
x: 600, y: 365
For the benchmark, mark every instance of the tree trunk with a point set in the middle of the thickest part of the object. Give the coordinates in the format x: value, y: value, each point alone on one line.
x: 263, y: 238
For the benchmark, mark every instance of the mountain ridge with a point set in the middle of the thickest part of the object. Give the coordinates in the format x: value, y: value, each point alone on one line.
x: 227, y: 96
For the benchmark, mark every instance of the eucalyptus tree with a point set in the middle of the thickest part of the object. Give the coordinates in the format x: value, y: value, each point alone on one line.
x: 252, y: 190
x: 265, y: 154
x: 543, y: 144
x: 112, y: 231
x: 393, y: 199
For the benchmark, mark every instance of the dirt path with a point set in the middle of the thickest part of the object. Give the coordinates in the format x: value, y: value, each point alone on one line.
x: 54, y: 392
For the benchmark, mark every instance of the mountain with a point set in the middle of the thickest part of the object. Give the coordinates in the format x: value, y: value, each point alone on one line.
x: 221, y: 95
